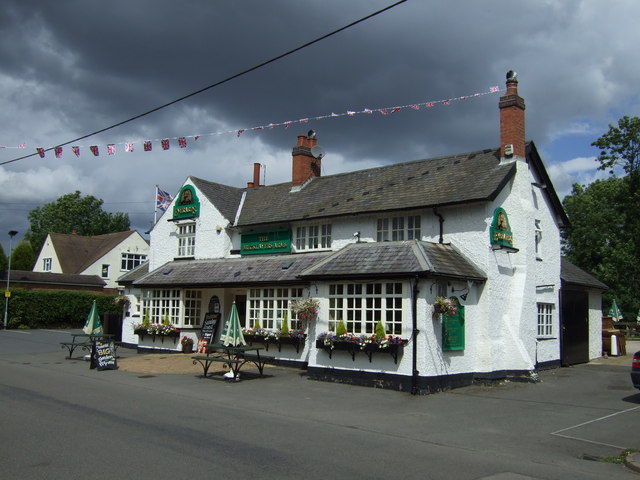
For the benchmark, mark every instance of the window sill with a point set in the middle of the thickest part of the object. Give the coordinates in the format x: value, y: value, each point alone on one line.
x: 543, y: 338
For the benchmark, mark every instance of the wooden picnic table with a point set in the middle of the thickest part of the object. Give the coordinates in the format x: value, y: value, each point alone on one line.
x: 233, y: 356
x: 85, y: 341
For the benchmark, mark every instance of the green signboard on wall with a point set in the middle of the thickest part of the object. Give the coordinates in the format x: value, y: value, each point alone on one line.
x: 453, y: 328
x: 187, y: 204
x: 274, y: 241
x: 500, y: 230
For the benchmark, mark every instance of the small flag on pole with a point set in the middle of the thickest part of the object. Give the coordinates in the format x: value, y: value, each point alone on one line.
x: 163, y: 199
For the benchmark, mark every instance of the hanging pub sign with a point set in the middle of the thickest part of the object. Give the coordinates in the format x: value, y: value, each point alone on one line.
x: 500, y: 230
x: 275, y: 241
x: 187, y: 204
x: 453, y: 328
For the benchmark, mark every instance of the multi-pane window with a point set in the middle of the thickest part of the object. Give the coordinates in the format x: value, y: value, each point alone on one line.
x: 46, y: 264
x: 163, y: 304
x: 268, y: 306
x: 398, y: 228
x: 186, y: 240
x: 131, y: 261
x: 309, y: 237
x: 545, y: 319
x: 362, y: 305
x: 192, y: 307
x: 105, y: 271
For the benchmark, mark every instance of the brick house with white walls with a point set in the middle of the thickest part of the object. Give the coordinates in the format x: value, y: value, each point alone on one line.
x: 378, y: 246
x: 108, y: 256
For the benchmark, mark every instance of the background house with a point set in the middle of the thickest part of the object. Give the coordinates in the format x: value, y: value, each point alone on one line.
x: 108, y: 256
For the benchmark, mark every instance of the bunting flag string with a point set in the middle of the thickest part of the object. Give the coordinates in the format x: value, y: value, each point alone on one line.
x: 182, y: 141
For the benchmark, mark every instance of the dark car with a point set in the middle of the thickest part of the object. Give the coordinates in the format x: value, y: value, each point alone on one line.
x: 635, y: 370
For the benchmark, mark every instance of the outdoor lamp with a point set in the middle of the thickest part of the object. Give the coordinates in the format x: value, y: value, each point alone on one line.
x: 7, y: 294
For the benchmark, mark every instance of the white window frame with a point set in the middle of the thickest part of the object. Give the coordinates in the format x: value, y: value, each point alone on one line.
x: 362, y: 305
x: 129, y: 261
x: 545, y: 320
x: 192, y: 308
x: 163, y: 302
x: 186, y: 240
x: 398, y: 228
x: 46, y: 264
x: 313, y: 236
x: 269, y: 306
x: 104, y: 273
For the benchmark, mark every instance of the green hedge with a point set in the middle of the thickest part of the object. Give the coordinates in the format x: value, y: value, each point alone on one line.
x: 55, y: 308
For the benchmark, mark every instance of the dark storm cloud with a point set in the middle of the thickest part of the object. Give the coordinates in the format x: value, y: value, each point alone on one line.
x: 72, y: 67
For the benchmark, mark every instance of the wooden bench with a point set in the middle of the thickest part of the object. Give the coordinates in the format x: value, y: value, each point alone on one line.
x: 71, y: 346
x: 235, y: 358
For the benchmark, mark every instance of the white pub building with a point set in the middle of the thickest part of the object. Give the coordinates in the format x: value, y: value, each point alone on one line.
x: 377, y: 246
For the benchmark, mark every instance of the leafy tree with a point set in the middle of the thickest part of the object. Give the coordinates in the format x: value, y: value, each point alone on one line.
x: 620, y: 146
x: 605, y: 226
x: 3, y: 259
x: 23, y: 257
x: 73, y: 212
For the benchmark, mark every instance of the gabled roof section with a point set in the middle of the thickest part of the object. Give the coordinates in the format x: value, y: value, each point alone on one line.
x: 572, y: 275
x: 471, y: 177
x: 253, y: 270
x: 77, y: 252
x: 134, y: 274
x: 395, y: 259
x: 225, y: 198
x: 535, y: 162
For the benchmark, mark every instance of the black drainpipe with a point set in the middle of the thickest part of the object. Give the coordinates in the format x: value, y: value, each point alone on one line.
x: 414, y: 312
x: 435, y: 212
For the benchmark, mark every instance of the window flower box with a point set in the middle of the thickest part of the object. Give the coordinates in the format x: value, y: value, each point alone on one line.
x: 353, y: 344
x: 270, y: 337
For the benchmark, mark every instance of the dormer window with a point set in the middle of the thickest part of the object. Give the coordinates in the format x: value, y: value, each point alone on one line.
x: 392, y: 229
x: 312, y: 237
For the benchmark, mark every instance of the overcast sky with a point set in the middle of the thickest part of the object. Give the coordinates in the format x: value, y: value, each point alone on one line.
x: 73, y: 67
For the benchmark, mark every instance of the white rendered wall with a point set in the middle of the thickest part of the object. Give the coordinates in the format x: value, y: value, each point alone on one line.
x: 47, y: 251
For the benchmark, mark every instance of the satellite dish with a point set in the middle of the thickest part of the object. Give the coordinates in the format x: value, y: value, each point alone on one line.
x: 317, y: 151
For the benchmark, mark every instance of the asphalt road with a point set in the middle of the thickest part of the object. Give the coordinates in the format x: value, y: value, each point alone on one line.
x: 61, y: 420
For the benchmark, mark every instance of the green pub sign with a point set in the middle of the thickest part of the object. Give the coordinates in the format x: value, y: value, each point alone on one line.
x: 453, y: 328
x: 274, y: 241
x: 500, y: 230
x: 187, y: 204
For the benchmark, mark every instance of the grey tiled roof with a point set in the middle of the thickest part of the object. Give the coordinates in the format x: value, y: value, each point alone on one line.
x: 27, y: 276
x: 395, y: 259
x: 225, y: 198
x: 133, y: 275
x: 250, y: 270
x: 572, y: 275
x: 470, y: 177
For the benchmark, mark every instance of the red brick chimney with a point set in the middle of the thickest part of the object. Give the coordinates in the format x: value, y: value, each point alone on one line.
x: 305, y: 165
x: 256, y: 177
x: 512, y: 130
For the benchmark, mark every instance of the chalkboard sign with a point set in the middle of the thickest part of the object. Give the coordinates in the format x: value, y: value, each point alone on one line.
x: 209, y: 326
x: 103, y: 356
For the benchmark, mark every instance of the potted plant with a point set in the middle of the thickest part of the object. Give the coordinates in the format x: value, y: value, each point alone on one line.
x: 187, y: 344
x: 444, y: 305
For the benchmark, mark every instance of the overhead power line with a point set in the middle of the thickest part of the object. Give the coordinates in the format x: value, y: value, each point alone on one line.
x: 228, y: 79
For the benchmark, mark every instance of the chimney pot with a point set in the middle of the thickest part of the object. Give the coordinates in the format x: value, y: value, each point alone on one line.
x: 304, y: 164
x: 512, y: 120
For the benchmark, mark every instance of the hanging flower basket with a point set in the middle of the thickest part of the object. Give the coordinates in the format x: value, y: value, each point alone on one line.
x: 305, y: 309
x: 444, y: 305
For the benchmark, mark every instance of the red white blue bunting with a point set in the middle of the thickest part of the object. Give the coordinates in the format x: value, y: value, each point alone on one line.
x: 182, y: 141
